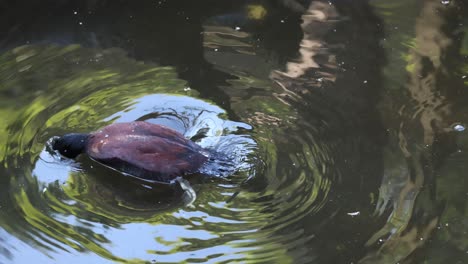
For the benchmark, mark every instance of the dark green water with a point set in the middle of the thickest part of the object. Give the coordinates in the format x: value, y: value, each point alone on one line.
x: 345, y: 119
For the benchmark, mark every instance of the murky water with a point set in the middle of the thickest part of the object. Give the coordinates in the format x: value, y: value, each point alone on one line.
x: 344, y: 120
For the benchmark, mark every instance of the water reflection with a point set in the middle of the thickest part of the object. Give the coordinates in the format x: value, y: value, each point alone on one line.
x: 318, y: 121
x: 418, y: 139
x: 341, y: 119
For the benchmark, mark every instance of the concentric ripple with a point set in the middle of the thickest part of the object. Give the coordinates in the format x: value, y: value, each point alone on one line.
x: 282, y: 176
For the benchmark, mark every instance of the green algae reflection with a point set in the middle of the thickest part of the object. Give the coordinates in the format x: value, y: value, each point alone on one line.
x: 56, y: 90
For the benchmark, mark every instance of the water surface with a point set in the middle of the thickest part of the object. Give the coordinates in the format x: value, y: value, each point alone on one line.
x: 345, y: 121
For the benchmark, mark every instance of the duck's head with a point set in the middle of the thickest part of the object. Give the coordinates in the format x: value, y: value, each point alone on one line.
x: 70, y: 145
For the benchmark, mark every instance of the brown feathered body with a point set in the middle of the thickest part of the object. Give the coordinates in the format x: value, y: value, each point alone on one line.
x: 145, y: 150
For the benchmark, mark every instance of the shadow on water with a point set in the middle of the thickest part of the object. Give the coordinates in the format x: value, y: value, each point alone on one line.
x: 346, y: 144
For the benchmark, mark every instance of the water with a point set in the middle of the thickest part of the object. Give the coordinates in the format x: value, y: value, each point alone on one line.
x: 345, y: 122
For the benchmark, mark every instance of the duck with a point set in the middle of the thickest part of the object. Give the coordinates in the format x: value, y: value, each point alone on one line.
x: 141, y: 149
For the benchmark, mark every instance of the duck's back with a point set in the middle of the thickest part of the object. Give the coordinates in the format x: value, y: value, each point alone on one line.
x: 145, y: 150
